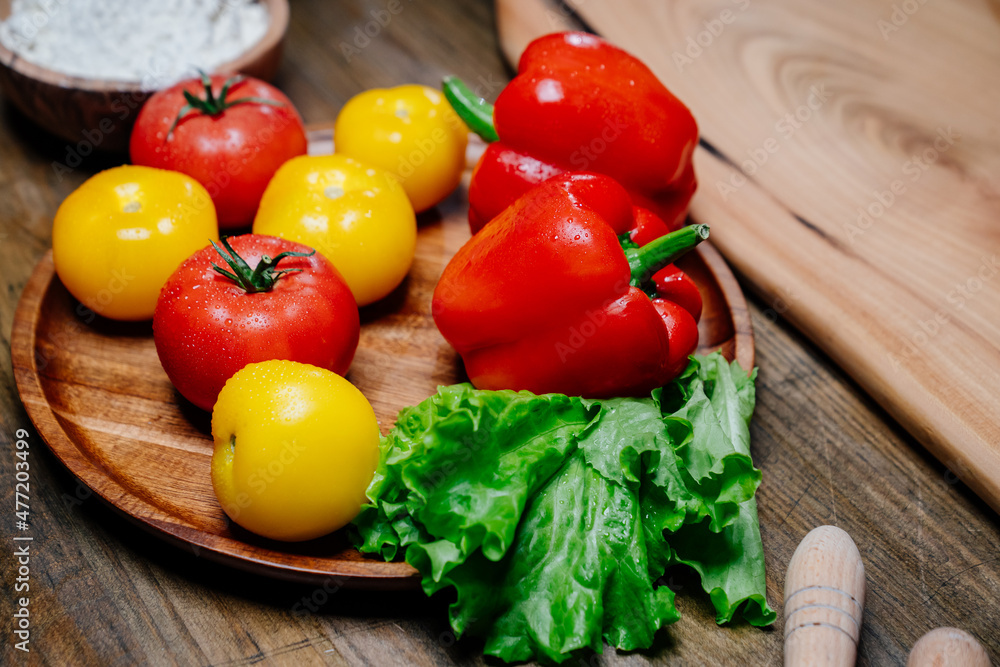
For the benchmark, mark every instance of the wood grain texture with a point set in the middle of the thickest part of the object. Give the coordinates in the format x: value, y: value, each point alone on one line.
x: 105, y: 592
x: 824, y: 600
x: 849, y: 167
x: 99, y: 114
x: 948, y: 647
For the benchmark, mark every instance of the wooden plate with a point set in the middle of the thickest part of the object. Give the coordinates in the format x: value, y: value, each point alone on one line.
x: 97, y: 395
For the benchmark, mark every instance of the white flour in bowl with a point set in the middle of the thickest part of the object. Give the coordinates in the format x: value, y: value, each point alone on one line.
x: 152, y: 42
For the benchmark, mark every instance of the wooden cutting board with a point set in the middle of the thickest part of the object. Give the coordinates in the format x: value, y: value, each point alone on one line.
x: 849, y: 169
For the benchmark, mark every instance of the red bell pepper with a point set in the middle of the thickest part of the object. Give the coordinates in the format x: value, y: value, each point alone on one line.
x: 546, y: 298
x: 578, y: 103
x: 675, y: 285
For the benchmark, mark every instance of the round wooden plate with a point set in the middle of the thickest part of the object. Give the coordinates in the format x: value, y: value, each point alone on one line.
x: 97, y: 395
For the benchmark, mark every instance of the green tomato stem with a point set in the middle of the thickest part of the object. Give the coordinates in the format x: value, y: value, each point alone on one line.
x: 210, y: 105
x: 262, y: 277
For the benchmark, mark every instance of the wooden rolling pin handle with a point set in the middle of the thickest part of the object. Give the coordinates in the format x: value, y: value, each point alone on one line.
x: 824, y: 600
x: 948, y: 647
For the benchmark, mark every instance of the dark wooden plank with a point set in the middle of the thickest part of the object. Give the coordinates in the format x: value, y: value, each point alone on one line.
x: 103, y: 592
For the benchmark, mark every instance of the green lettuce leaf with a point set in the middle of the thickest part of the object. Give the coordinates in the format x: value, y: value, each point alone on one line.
x: 730, y: 564
x: 551, y: 516
x: 576, y: 572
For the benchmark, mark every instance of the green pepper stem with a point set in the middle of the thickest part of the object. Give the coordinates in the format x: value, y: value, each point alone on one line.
x: 650, y: 258
x: 474, y: 111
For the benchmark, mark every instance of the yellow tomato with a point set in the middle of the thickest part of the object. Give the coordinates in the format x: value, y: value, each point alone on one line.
x: 410, y: 131
x: 295, y: 449
x: 354, y: 214
x: 118, y: 237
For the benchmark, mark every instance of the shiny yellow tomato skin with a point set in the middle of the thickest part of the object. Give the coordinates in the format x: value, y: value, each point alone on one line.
x: 295, y: 449
x: 118, y: 237
x: 355, y: 214
x: 410, y: 131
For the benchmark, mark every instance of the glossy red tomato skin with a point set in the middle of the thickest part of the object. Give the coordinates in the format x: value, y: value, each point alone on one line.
x: 206, y: 327
x: 233, y: 154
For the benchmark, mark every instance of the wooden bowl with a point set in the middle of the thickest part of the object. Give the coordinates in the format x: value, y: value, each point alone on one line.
x: 96, y: 114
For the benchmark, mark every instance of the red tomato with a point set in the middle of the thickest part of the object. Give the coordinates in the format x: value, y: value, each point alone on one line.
x: 230, y: 144
x: 207, y: 327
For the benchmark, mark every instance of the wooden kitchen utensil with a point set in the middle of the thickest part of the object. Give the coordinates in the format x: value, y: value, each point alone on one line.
x: 948, y: 647
x: 848, y: 167
x: 824, y: 600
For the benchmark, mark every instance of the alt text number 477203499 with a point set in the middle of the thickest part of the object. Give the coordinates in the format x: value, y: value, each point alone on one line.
x: 22, y: 543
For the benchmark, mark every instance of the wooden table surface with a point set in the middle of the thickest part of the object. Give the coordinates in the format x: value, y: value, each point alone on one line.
x: 103, y: 592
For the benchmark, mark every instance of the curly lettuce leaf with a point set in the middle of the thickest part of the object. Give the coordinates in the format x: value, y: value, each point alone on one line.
x: 462, y: 465
x: 730, y: 564
x: 575, y: 574
x: 551, y: 516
